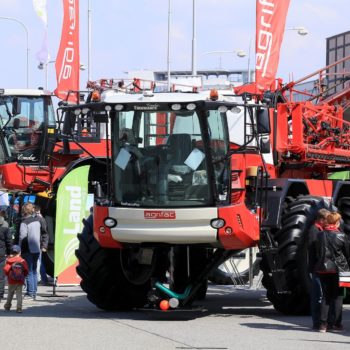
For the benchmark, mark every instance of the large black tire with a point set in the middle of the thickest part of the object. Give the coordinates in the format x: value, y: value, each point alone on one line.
x: 103, y: 277
x: 179, y: 278
x: 291, y: 241
x: 226, y: 275
x: 344, y: 209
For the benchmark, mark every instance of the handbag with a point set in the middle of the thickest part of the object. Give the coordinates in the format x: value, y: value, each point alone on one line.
x: 328, y: 265
x: 332, y: 263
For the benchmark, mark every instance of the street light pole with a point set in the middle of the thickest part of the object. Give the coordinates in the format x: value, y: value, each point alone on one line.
x: 89, y: 41
x: 194, y: 68
x: 250, y: 44
x: 26, y: 31
x: 168, y: 58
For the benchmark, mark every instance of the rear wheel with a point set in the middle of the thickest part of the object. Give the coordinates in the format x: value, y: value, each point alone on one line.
x: 113, y: 279
x: 291, y: 241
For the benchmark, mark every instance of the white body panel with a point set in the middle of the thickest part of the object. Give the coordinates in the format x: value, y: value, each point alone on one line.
x: 192, y: 225
x: 26, y: 92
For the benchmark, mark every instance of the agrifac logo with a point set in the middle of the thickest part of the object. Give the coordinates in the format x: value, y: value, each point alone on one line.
x: 270, y: 22
x: 264, y: 36
x: 160, y: 214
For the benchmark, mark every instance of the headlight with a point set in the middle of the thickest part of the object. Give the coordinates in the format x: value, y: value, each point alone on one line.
x: 176, y: 106
x: 191, y: 106
x: 118, y: 107
x: 217, y: 223
x: 110, y: 222
x: 222, y: 109
x: 235, y: 110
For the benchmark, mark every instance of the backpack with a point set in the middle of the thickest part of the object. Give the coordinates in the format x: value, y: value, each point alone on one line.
x: 16, y: 272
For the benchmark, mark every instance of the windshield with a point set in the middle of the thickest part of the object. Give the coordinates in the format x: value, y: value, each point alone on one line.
x: 23, y: 120
x: 160, y: 157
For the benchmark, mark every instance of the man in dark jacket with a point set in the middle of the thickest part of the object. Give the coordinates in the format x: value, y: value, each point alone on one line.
x: 316, y: 290
x: 5, y: 249
x: 333, y: 256
x: 33, y: 239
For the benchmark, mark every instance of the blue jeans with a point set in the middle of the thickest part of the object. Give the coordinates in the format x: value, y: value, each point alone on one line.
x: 43, y: 275
x: 316, y: 299
x: 32, y: 277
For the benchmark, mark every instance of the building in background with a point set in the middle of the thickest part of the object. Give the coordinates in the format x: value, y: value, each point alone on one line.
x: 338, y: 47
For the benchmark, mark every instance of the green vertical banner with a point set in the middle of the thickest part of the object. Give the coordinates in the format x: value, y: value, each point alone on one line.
x: 72, y: 196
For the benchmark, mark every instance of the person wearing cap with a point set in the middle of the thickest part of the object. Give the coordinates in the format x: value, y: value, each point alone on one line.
x: 5, y: 249
x: 16, y: 269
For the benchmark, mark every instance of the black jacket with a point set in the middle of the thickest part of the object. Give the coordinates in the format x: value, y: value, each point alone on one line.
x: 5, y: 242
x: 332, y: 246
x: 312, y: 248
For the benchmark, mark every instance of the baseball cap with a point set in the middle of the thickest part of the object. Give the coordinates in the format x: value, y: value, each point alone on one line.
x: 16, y: 249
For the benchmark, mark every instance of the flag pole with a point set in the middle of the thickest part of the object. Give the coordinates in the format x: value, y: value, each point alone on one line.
x: 89, y: 41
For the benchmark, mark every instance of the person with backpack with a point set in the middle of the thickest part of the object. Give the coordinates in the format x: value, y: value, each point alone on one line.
x: 33, y: 239
x: 16, y: 269
x: 332, y: 257
x: 5, y: 249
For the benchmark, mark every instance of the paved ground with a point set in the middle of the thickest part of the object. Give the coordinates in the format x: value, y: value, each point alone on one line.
x: 232, y: 319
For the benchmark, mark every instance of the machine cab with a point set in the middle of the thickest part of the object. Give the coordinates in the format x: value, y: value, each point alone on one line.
x: 164, y: 153
x: 27, y: 122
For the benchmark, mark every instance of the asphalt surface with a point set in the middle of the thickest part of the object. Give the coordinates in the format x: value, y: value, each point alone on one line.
x: 231, y: 318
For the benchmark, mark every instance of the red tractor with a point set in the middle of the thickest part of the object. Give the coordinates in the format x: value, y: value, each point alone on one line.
x: 35, y: 155
x: 191, y: 179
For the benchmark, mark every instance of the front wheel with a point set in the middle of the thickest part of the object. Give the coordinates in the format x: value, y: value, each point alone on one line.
x: 111, y: 278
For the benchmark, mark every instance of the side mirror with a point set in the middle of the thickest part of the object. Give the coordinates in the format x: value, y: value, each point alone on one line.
x: 263, y: 121
x: 265, y: 145
x: 16, y: 123
x: 16, y: 106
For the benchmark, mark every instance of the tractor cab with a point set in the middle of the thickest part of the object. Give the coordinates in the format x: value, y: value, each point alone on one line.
x: 173, y: 149
x: 159, y: 155
x: 27, y: 123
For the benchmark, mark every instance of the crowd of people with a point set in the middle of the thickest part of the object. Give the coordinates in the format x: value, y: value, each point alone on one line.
x: 329, y: 257
x: 20, y: 255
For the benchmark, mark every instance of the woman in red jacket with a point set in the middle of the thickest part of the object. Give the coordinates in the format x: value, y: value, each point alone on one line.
x: 332, y: 257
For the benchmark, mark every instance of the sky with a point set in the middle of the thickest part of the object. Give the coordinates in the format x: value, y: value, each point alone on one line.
x: 132, y: 35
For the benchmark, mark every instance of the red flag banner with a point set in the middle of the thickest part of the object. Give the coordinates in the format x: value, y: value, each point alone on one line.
x: 270, y: 22
x: 68, y: 60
